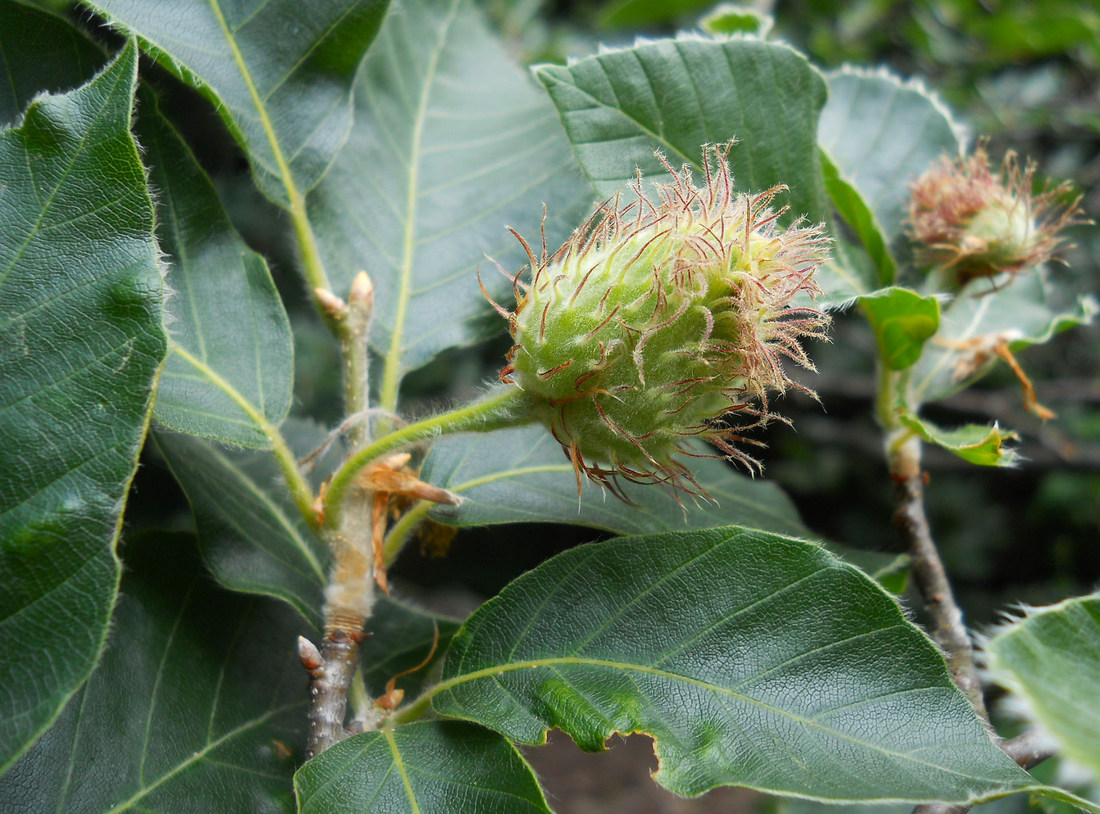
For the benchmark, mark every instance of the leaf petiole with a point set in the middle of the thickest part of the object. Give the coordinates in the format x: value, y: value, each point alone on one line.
x: 502, y: 407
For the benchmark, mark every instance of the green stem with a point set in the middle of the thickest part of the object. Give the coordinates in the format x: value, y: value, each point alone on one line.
x: 903, y: 457
x: 312, y: 265
x: 402, y: 529
x: 886, y: 390
x: 497, y: 410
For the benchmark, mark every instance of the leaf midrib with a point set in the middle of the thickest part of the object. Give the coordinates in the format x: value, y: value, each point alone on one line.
x: 399, y: 764
x: 391, y: 379
x: 293, y: 194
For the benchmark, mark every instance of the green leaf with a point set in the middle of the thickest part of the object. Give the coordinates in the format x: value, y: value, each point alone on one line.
x: 1051, y: 659
x: 196, y: 705
x: 229, y: 375
x: 1021, y: 313
x: 752, y: 659
x: 637, y: 13
x: 431, y: 766
x: 252, y: 537
x: 881, y: 133
x: 280, y: 78
x: 678, y: 94
x: 858, y: 215
x: 975, y: 443
x: 39, y: 52
x: 81, y: 342
x: 451, y: 143
x: 903, y: 321
x: 401, y: 639
x: 730, y: 18
x: 526, y: 478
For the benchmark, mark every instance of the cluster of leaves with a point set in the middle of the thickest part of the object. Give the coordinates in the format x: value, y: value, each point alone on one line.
x: 401, y: 141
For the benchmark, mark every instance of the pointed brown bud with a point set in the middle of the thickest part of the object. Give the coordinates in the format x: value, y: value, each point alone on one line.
x: 309, y: 655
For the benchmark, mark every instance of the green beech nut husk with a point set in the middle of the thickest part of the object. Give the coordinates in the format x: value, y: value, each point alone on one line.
x: 659, y: 318
x: 969, y: 222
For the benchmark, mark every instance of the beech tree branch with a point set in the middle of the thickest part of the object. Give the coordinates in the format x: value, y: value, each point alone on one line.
x: 331, y: 671
x: 350, y: 592
x: 1029, y: 748
x: 929, y: 574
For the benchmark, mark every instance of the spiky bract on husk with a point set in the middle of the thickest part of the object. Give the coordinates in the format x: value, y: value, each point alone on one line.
x: 969, y: 222
x: 659, y: 317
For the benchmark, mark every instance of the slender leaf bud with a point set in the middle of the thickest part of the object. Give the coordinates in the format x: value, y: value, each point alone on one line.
x: 659, y: 317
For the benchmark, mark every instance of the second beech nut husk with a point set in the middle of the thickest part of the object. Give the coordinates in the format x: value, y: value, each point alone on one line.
x: 970, y: 222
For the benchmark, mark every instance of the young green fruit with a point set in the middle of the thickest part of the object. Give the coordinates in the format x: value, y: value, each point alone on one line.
x: 658, y: 318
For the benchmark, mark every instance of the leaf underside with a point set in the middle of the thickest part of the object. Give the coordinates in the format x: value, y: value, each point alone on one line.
x: 280, y: 78
x: 1052, y: 658
x: 528, y: 479
x: 231, y: 366
x: 1022, y: 312
x: 883, y: 133
x: 451, y: 144
x: 252, y: 537
x: 197, y: 705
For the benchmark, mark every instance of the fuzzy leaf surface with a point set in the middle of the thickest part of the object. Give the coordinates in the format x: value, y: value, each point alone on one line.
x: 280, y: 78
x: 252, y: 537
x: 81, y: 341
x: 527, y: 479
x: 1021, y: 313
x: 451, y: 143
x: 903, y: 321
x: 39, y: 52
x: 430, y: 766
x: 196, y: 705
x: 675, y: 95
x: 752, y: 659
x: 1051, y: 657
x: 881, y: 133
x: 231, y: 363
x: 976, y: 443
